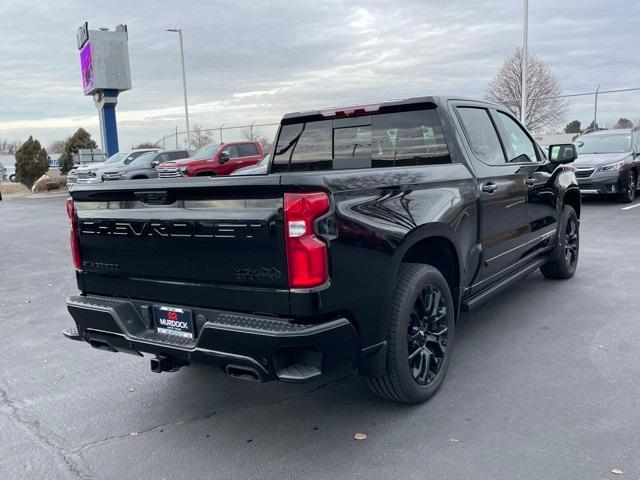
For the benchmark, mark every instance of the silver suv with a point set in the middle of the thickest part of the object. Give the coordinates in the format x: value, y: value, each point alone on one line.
x: 144, y: 166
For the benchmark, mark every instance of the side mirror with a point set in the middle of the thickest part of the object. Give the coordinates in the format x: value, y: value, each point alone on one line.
x: 563, y: 153
x: 224, y: 157
x: 155, y: 163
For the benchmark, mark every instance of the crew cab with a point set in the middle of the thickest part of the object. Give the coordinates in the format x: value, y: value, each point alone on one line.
x: 214, y: 159
x: 376, y: 227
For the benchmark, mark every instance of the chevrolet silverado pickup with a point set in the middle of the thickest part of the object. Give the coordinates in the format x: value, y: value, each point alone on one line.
x: 375, y: 228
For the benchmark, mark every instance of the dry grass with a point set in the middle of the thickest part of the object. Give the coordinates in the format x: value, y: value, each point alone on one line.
x: 12, y: 188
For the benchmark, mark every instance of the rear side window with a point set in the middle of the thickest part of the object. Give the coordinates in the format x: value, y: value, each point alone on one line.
x: 178, y: 155
x: 382, y: 140
x: 247, y: 150
x: 482, y: 135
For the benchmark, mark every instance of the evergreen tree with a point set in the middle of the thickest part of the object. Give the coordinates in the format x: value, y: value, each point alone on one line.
x: 79, y: 140
x: 32, y: 162
x: 573, y: 127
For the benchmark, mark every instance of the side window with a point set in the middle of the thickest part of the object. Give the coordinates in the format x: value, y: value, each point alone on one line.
x: 482, y: 136
x: 247, y: 150
x: 516, y: 142
x: 178, y: 155
x: 233, y: 151
x: 408, y: 138
x: 637, y: 142
x: 163, y: 157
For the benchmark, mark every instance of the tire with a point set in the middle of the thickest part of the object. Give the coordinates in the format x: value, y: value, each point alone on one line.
x: 629, y: 192
x: 406, y: 379
x: 12, y: 178
x: 564, y: 258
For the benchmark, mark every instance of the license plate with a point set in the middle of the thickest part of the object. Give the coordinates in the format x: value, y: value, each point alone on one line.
x: 175, y: 321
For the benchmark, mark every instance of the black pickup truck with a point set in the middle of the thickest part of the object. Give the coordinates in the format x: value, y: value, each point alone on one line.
x: 376, y: 226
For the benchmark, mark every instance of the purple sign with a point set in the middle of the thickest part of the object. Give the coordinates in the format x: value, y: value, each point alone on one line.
x: 86, y: 64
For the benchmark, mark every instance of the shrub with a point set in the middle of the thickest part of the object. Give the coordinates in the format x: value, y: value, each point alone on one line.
x: 31, y: 162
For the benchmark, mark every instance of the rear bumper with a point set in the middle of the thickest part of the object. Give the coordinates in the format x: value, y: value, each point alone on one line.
x: 273, y: 348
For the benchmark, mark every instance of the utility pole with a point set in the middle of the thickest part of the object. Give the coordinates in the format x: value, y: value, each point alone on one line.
x: 525, y: 32
x: 595, y: 108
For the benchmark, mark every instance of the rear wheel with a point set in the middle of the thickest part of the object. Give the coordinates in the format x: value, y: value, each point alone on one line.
x: 629, y: 191
x: 564, y: 258
x: 419, y: 336
x: 12, y: 178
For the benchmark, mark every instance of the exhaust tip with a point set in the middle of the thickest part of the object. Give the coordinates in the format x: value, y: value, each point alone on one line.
x: 243, y: 373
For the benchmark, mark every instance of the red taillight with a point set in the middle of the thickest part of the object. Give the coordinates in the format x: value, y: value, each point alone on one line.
x: 307, y: 261
x: 74, y: 240
x: 353, y: 111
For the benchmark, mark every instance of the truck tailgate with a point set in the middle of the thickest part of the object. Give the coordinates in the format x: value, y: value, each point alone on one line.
x: 208, y: 242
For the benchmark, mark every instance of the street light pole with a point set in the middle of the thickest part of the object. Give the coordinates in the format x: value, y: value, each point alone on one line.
x: 595, y: 109
x: 184, y: 85
x: 525, y: 33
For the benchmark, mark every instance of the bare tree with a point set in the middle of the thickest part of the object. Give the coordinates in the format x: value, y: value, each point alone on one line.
x: 144, y: 145
x: 257, y: 135
x: 544, y: 108
x: 9, y: 147
x: 623, y: 123
x: 56, y: 146
x: 199, y: 137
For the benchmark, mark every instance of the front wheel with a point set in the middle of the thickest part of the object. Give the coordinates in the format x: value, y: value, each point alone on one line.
x: 419, y: 336
x: 629, y: 191
x: 12, y: 178
x: 564, y: 258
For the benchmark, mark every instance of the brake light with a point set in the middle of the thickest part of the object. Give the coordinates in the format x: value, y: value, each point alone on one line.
x: 307, y: 259
x: 353, y: 111
x: 74, y: 238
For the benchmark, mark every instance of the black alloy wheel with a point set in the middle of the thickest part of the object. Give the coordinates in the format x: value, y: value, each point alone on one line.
x: 427, y: 335
x: 571, y: 242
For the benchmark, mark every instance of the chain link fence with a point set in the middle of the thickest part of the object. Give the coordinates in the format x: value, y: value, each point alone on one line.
x: 199, y: 137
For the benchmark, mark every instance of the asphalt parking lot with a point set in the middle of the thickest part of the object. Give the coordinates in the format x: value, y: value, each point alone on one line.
x: 543, y: 384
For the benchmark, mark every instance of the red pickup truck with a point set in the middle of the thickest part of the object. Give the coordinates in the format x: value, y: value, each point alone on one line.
x: 214, y: 159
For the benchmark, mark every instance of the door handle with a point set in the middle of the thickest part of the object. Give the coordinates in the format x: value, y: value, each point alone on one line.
x: 530, y: 181
x: 489, y: 187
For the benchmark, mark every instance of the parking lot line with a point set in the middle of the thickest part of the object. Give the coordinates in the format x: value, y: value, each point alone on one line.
x: 631, y: 206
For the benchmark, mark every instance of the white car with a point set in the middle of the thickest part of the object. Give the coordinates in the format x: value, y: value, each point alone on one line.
x: 92, y: 172
x: 8, y: 173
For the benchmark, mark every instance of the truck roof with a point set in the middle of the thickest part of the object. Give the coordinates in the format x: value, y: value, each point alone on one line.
x: 436, y: 100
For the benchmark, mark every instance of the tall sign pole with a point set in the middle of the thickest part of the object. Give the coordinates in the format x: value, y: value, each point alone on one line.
x: 525, y: 33
x: 104, y: 60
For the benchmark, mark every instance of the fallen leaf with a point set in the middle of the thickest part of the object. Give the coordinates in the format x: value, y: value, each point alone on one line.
x: 616, y: 471
x: 360, y: 436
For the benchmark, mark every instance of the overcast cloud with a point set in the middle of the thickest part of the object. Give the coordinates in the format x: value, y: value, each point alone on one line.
x: 256, y: 60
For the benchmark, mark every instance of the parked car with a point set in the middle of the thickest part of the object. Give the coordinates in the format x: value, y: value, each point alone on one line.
x: 215, y: 160
x: 92, y: 172
x: 259, y: 168
x: 375, y: 228
x: 9, y: 173
x: 608, y: 162
x: 144, y: 166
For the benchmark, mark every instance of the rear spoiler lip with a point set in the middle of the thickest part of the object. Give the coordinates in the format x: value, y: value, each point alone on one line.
x: 408, y: 104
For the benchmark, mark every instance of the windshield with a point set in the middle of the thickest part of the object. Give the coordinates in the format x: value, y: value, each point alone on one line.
x: 116, y: 157
x: 615, y: 143
x: 206, y: 151
x: 144, y: 159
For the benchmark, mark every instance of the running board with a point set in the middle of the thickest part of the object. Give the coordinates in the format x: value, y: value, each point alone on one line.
x: 480, y: 298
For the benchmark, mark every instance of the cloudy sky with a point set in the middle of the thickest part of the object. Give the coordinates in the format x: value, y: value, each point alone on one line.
x: 254, y: 60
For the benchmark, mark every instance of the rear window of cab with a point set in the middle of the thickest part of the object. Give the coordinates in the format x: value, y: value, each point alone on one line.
x: 395, y: 139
